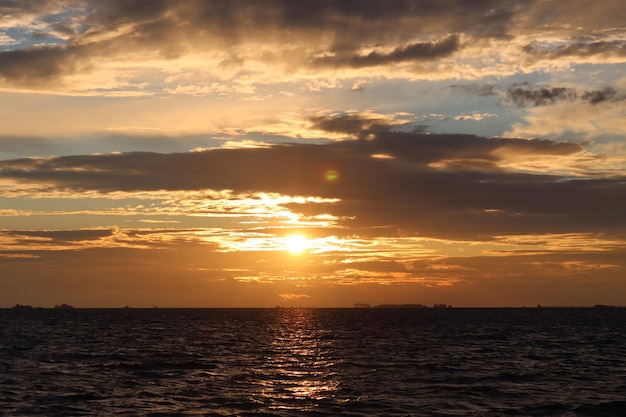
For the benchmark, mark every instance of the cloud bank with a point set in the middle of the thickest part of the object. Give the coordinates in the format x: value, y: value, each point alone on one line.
x: 434, y: 185
x: 63, y: 42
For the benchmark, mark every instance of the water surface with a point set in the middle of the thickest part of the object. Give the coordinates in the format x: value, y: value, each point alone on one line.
x: 318, y: 362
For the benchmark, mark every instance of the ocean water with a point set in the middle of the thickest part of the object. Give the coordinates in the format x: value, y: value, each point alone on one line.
x: 313, y: 362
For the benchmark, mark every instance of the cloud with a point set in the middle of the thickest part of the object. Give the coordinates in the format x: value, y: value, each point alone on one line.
x: 33, y: 241
x: 6, y: 39
x: 475, y: 116
x: 605, y: 94
x: 65, y: 236
x: 356, y: 124
x: 615, y: 49
x: 525, y: 96
x: 292, y: 297
x: 23, y: 12
x: 345, y: 20
x: 38, y: 65
x: 595, y: 114
x: 421, y: 51
x: 87, y: 45
x: 482, y: 90
x: 429, y: 184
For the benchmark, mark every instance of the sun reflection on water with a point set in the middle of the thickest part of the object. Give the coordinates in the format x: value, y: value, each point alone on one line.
x: 299, y: 361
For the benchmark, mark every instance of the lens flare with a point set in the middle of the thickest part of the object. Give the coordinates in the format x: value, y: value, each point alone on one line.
x: 332, y: 175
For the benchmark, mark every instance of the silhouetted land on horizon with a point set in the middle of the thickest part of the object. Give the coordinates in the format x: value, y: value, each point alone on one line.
x: 26, y: 307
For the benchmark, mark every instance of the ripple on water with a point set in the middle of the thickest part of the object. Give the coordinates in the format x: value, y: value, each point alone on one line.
x: 287, y: 362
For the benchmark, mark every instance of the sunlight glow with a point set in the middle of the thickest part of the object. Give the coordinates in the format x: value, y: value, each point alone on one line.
x: 296, y: 244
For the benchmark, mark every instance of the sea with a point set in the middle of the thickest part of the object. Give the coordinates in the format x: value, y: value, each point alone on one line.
x: 313, y: 362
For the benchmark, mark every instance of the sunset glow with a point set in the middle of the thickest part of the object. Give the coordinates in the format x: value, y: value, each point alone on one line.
x: 296, y: 244
x: 224, y: 154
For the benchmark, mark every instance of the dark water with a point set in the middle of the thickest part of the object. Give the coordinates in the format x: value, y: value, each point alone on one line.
x: 313, y: 362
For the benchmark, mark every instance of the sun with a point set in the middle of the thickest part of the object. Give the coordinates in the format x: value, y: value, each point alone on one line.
x: 296, y: 244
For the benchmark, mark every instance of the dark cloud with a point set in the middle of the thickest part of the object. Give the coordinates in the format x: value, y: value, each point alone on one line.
x: 483, y: 90
x: 605, y: 94
x: 528, y: 96
x: 338, y: 16
x: 41, y: 64
x: 350, y: 124
x: 58, y: 236
x: 577, y: 49
x: 62, y: 29
x: 327, y: 33
x: 421, y: 51
x: 583, y: 49
x: 429, y: 184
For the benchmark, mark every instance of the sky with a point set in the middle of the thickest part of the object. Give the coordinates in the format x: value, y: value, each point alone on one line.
x: 250, y: 153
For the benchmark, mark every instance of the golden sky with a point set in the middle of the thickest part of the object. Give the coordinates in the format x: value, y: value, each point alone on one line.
x: 258, y: 153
